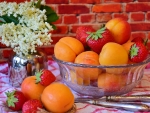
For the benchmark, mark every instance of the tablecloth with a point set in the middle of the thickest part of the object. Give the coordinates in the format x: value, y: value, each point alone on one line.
x: 5, y: 85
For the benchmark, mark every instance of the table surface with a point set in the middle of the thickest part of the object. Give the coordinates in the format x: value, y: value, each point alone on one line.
x: 143, y: 88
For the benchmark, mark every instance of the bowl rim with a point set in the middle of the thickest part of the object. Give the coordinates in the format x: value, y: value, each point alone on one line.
x: 146, y: 61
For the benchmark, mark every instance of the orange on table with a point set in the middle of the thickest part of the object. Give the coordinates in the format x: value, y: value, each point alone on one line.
x: 67, y: 48
x: 90, y: 58
x: 57, y: 98
x: 113, y: 54
x: 30, y: 89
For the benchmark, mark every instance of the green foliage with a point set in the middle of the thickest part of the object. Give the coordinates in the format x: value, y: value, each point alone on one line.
x: 50, y: 13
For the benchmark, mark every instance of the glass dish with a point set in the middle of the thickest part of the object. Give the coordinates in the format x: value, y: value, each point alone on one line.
x: 98, y: 81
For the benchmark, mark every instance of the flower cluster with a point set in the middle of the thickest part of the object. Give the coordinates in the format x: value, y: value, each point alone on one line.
x: 27, y: 28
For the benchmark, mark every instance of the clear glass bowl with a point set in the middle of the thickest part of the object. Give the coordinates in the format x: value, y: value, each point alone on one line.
x: 98, y: 81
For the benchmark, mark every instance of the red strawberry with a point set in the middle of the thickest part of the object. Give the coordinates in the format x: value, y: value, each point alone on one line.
x: 140, y: 39
x: 96, y: 40
x: 45, y: 77
x: 31, y: 106
x: 15, y: 100
x: 138, y: 52
x: 82, y: 34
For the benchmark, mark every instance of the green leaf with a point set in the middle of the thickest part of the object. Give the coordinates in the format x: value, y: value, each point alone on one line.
x: 48, y: 9
x: 52, y: 17
x: 53, y: 26
x: 38, y: 76
x: 9, y: 19
x: 38, y: 5
x: 11, y: 99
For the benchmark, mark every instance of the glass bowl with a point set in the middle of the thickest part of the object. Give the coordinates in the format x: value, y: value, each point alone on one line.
x: 98, y: 81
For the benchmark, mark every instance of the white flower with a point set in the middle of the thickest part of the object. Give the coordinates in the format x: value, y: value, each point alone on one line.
x: 31, y: 31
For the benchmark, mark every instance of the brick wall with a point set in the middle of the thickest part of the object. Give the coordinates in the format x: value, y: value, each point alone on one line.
x: 74, y: 13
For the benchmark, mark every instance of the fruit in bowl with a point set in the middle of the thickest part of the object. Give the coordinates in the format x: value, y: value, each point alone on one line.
x: 106, y: 83
x: 115, y: 69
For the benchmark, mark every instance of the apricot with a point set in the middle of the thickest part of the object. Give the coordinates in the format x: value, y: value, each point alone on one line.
x: 57, y: 98
x: 128, y: 45
x: 77, y: 79
x: 120, y: 29
x: 110, y: 82
x: 67, y: 48
x: 113, y: 54
x: 89, y: 58
x: 31, y: 89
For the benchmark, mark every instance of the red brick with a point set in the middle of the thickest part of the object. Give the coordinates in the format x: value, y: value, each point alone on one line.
x: 143, y: 0
x: 86, y: 1
x: 140, y: 26
x: 103, y: 17
x: 73, y: 9
x: 56, y: 39
x: 7, y: 53
x: 63, y: 29
x: 149, y: 36
x: 138, y: 34
x: 121, y: 15
x: 90, y: 18
x: 49, y: 50
x: 56, y: 1
x: 107, y: 8
x: 138, y: 16
x: 118, y: 1
x: 74, y: 28
x: 148, y: 16
x: 70, y: 19
x: 135, y: 7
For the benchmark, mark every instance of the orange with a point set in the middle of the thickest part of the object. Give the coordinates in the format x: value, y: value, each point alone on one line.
x: 113, y: 54
x: 30, y: 89
x: 67, y: 48
x: 57, y: 98
x: 90, y: 58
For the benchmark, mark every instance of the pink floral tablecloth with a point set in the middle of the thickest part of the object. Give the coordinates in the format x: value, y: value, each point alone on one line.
x: 6, y: 85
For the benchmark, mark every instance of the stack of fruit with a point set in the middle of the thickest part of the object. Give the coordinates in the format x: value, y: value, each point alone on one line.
x: 111, y: 45
x: 41, y: 92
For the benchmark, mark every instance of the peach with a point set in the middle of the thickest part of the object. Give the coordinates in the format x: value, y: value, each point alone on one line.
x: 89, y: 58
x: 110, y: 82
x: 67, y: 48
x: 120, y: 29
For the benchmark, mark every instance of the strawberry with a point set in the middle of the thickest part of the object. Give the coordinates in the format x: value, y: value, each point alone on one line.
x: 138, y: 52
x: 140, y: 39
x: 82, y: 34
x: 45, y: 77
x: 15, y: 100
x: 31, y: 106
x: 96, y: 40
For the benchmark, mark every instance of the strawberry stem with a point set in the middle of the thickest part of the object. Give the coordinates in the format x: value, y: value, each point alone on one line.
x: 11, y: 99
